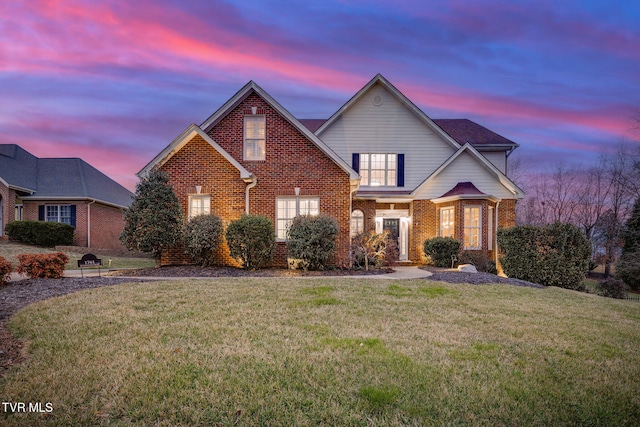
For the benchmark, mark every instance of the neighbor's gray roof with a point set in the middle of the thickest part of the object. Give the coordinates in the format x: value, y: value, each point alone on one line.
x: 53, y: 178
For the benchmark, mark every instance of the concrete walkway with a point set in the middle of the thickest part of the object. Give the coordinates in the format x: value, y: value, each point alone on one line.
x: 400, y: 273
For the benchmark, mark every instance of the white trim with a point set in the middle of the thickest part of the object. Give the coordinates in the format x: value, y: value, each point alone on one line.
x: 297, y: 210
x: 452, y: 220
x: 379, y: 79
x: 502, y: 178
x: 253, y: 87
x: 182, y: 139
x: 479, y: 227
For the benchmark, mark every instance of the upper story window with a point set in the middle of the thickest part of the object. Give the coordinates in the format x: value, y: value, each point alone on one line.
x: 472, y: 227
x: 254, y: 138
x: 58, y: 213
x: 378, y: 169
x: 447, y: 222
x: 199, y: 205
x: 289, y: 208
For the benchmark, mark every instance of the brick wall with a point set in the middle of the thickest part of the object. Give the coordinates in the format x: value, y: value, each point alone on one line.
x: 291, y: 161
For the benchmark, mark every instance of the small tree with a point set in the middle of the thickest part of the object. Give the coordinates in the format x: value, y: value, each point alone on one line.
x: 202, y: 236
x: 628, y: 267
x: 251, y: 240
x: 373, y: 249
x: 154, y: 221
x: 313, y: 240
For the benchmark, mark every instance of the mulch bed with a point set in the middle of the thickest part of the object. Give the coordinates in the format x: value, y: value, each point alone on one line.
x: 17, y: 295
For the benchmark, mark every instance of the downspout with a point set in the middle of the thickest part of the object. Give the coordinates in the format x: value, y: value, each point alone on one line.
x: 89, y: 223
x: 251, y: 184
x: 495, y: 246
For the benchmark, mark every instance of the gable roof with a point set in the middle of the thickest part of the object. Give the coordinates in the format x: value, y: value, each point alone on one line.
x: 182, y: 140
x: 252, y: 87
x: 466, y: 131
x: 380, y: 80
x: 58, y: 178
x: 487, y: 165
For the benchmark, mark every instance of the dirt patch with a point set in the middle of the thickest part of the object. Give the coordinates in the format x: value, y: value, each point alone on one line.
x: 454, y: 276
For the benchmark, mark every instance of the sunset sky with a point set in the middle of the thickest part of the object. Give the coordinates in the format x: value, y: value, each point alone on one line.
x: 114, y: 82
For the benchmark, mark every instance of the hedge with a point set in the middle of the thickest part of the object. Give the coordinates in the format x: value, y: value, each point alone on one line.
x: 553, y: 255
x: 40, y: 233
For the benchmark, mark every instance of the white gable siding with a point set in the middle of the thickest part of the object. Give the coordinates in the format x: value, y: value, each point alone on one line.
x: 388, y: 128
x: 498, y: 158
x: 464, y: 169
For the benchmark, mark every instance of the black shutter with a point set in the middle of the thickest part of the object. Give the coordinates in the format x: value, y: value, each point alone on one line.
x: 400, y: 177
x: 41, y: 213
x: 355, y: 162
x: 73, y: 216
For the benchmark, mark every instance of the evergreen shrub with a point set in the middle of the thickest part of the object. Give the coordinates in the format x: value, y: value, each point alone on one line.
x: 439, y: 251
x: 313, y: 240
x: 202, y: 237
x: 553, y: 255
x: 40, y: 233
x: 251, y: 240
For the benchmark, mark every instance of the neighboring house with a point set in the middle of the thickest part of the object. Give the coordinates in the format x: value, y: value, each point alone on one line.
x: 379, y: 163
x: 62, y: 190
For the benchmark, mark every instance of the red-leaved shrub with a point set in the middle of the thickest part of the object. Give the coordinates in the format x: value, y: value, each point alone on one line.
x: 5, y: 270
x: 44, y: 266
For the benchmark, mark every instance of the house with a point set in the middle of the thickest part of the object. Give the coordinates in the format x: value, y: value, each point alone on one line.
x: 379, y: 163
x: 67, y: 190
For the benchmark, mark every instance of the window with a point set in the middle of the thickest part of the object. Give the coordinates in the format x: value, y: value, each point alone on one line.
x: 19, y: 212
x: 357, y: 222
x: 199, y: 205
x: 288, y: 208
x: 378, y: 169
x: 58, y: 213
x: 447, y: 222
x: 254, y: 138
x: 490, y: 235
x: 472, y: 227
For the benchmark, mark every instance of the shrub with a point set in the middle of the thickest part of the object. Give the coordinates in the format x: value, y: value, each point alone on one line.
x: 44, y: 266
x: 251, y: 240
x: 313, y: 240
x: 628, y: 269
x: 554, y: 255
x: 5, y: 270
x: 202, y: 236
x: 479, y: 260
x: 440, y: 250
x: 40, y: 233
x: 613, y: 288
x: 373, y: 249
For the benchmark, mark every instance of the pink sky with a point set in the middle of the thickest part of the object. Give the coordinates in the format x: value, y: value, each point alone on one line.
x: 114, y: 82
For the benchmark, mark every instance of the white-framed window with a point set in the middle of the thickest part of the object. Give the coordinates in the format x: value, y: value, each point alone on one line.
x: 379, y: 169
x: 199, y: 205
x: 447, y: 222
x: 19, y: 212
x: 254, y: 137
x: 58, y: 213
x: 357, y: 222
x: 288, y: 208
x: 490, y: 235
x: 473, y: 227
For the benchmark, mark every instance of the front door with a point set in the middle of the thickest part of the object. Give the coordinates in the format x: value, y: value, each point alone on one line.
x: 392, y: 225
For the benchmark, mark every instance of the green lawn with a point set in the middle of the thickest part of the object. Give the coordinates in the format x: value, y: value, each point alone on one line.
x: 327, y: 352
x: 11, y: 250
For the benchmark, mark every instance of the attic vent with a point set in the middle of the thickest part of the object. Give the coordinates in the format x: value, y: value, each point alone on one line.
x: 377, y: 100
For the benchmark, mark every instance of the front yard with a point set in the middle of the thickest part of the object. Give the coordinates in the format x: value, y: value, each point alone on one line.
x: 330, y: 351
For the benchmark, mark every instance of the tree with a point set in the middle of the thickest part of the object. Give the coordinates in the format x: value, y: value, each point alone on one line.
x: 154, y: 221
x: 628, y: 267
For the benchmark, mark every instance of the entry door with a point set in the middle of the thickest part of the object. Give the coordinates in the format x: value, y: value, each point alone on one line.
x: 393, y: 226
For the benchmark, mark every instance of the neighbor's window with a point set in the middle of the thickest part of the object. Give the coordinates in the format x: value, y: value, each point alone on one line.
x: 378, y: 169
x: 199, y: 205
x: 254, y: 138
x: 290, y: 207
x: 357, y: 222
x: 58, y: 213
x: 472, y: 227
x: 447, y: 222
